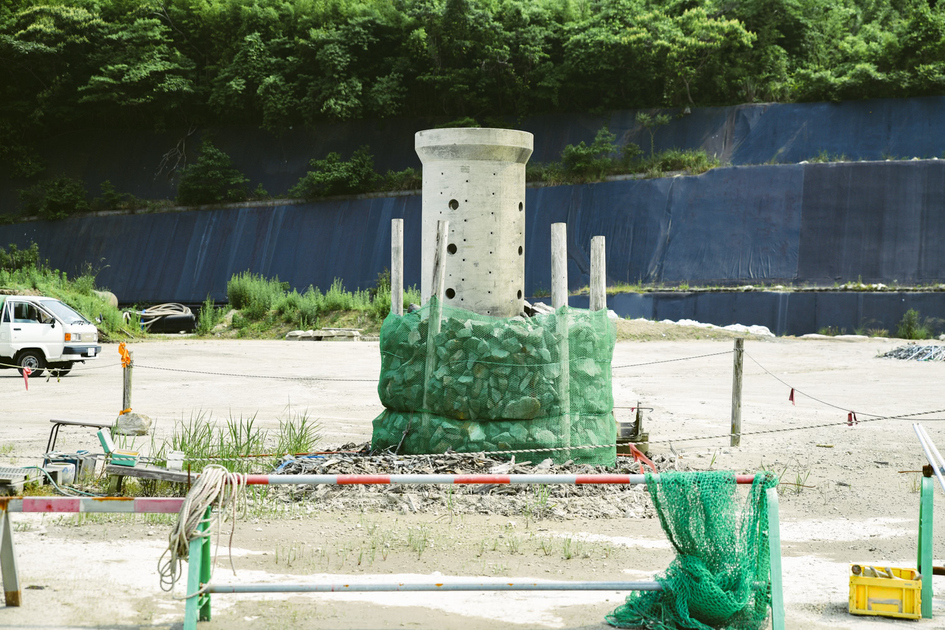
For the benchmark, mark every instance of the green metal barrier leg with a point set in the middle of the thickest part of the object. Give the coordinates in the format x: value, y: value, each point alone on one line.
x: 774, y: 549
x: 205, y: 566
x: 198, y: 574
x: 924, y: 561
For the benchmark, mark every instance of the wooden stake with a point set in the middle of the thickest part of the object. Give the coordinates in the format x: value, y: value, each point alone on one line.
x: 736, y: 437
x: 559, y: 265
x: 436, y: 310
x: 397, y: 266
x: 559, y: 298
x: 598, y: 287
x: 126, y: 383
x: 11, y: 578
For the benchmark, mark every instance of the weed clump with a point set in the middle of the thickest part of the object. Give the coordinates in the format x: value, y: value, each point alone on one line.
x: 912, y: 327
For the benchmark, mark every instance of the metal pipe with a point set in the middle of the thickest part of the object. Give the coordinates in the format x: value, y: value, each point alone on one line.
x: 113, y: 505
x: 928, y: 440
x: 343, y: 480
x: 439, y: 587
x: 925, y: 441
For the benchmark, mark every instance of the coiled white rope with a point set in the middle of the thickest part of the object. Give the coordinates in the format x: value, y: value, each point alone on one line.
x: 216, y: 487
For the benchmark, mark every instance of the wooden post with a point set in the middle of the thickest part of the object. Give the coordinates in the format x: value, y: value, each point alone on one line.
x: 736, y: 438
x: 436, y: 309
x: 598, y: 287
x: 11, y: 578
x: 439, y: 276
x: 559, y: 265
x: 559, y: 298
x: 774, y: 549
x: 126, y: 383
x: 397, y: 266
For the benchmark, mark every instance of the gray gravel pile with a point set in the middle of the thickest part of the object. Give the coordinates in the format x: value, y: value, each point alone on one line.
x: 525, y: 500
x: 915, y: 352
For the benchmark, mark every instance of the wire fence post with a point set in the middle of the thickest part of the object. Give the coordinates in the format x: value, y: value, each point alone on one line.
x: 736, y: 438
x: 126, y: 382
x: 397, y: 266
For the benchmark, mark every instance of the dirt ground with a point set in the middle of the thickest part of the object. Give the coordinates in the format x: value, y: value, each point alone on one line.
x: 852, y: 504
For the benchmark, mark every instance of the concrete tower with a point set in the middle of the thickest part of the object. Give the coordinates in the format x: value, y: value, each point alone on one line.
x: 475, y: 179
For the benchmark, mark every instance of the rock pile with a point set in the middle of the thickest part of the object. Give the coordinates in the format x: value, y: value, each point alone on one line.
x: 494, y: 383
x: 552, y: 501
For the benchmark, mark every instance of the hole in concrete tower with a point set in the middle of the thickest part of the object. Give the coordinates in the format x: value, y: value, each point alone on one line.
x: 521, y: 206
x: 450, y: 293
x: 520, y: 294
x: 519, y: 250
x: 453, y: 204
x: 451, y: 248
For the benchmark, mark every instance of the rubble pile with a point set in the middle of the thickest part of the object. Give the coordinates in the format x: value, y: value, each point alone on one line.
x: 915, y: 352
x: 551, y: 501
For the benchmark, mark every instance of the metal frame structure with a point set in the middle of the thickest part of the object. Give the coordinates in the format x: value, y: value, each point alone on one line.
x: 99, y: 505
x: 199, y: 588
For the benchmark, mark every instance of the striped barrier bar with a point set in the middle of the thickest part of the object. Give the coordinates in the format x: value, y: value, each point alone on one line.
x: 344, y: 480
x: 65, y: 505
x: 102, y: 505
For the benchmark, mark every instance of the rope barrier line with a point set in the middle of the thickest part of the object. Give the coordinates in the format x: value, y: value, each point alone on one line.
x: 796, y: 390
x: 264, y: 376
x: 804, y: 428
x: 700, y: 356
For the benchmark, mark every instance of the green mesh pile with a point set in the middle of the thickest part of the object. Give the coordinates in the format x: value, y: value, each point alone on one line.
x: 721, y: 554
x: 489, y: 384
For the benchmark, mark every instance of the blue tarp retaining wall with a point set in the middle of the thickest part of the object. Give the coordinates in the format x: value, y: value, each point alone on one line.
x: 811, y: 223
x: 142, y: 163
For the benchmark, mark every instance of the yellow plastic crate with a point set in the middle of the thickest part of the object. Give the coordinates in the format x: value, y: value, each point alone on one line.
x: 900, y: 596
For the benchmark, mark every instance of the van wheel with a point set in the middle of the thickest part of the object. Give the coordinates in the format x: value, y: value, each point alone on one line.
x: 33, y: 359
x: 59, y: 369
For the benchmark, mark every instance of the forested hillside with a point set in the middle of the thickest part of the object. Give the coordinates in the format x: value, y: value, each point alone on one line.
x: 279, y: 64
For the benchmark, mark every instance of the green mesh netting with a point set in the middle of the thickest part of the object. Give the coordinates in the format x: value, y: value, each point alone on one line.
x: 721, y: 556
x: 490, y: 384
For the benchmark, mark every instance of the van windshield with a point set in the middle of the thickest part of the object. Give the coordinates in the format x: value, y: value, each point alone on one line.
x: 64, y: 313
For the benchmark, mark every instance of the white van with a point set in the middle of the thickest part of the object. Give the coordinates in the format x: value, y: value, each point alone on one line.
x: 43, y: 333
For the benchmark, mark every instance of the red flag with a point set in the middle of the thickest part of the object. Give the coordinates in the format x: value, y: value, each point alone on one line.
x: 791, y: 397
x: 26, y: 377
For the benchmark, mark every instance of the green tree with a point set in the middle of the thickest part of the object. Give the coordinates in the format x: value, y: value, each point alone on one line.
x: 651, y: 124
x: 54, y: 199
x: 333, y: 176
x: 584, y: 162
x: 212, y: 179
x: 137, y: 68
x: 694, y: 50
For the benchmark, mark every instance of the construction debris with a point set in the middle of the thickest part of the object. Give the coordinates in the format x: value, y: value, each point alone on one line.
x: 325, y: 334
x: 551, y: 501
x: 915, y: 352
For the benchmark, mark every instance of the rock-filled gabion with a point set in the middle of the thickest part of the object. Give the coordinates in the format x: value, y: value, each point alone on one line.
x: 494, y: 384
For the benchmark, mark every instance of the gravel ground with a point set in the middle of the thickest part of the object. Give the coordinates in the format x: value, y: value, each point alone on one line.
x: 851, y: 505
